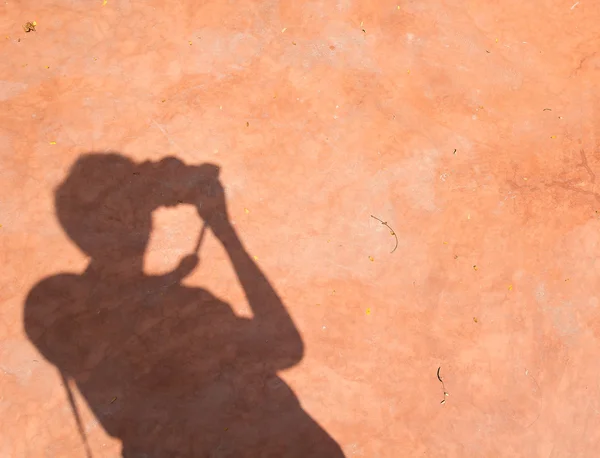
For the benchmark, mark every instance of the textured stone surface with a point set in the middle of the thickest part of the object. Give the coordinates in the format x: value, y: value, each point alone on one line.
x: 471, y: 128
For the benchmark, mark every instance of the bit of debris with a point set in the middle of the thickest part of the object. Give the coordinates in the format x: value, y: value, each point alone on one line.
x: 113, y: 399
x: 368, y: 311
x: 443, y: 387
x: 475, y: 319
x: 29, y: 26
x: 371, y: 258
x: 454, y: 152
x: 547, y: 109
x: 475, y: 268
x: 510, y: 287
x: 247, y: 124
x: 392, y: 232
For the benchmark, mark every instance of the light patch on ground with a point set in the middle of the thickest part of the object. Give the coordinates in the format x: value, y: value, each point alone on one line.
x: 174, y: 235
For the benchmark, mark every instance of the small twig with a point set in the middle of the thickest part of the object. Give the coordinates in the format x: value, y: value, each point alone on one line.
x: 547, y: 109
x: 392, y: 232
x: 443, y: 387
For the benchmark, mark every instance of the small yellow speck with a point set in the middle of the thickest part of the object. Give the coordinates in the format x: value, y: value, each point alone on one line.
x: 408, y: 72
x: 525, y: 178
x: 47, y: 66
x: 475, y: 319
x: 113, y: 399
x: 368, y: 311
x: 220, y: 107
x: 255, y: 258
x: 496, y: 40
x: 552, y: 136
x: 361, y: 23
x: 398, y: 7
x: 392, y: 233
x: 468, y: 216
x: 510, y: 287
x: 246, y: 211
x: 328, y: 241
x: 95, y: 59
x: 190, y: 43
x: 284, y: 29
x: 34, y: 23
x: 445, y: 243
x: 475, y: 267
x: 104, y: 2
x: 53, y: 143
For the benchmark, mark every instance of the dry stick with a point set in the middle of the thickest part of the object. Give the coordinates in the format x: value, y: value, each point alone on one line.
x: 443, y: 387
x: 391, y: 231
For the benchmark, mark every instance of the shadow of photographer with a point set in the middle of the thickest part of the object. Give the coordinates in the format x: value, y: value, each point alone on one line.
x: 168, y: 369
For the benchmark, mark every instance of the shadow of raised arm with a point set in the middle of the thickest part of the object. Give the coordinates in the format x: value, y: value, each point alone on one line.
x: 271, y: 319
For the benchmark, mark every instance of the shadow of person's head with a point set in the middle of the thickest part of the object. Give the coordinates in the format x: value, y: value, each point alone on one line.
x: 106, y: 202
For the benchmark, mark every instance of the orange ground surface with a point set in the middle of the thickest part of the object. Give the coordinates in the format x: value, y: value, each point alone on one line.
x: 471, y: 127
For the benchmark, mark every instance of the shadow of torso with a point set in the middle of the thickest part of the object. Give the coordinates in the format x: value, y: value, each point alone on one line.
x: 171, y: 371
